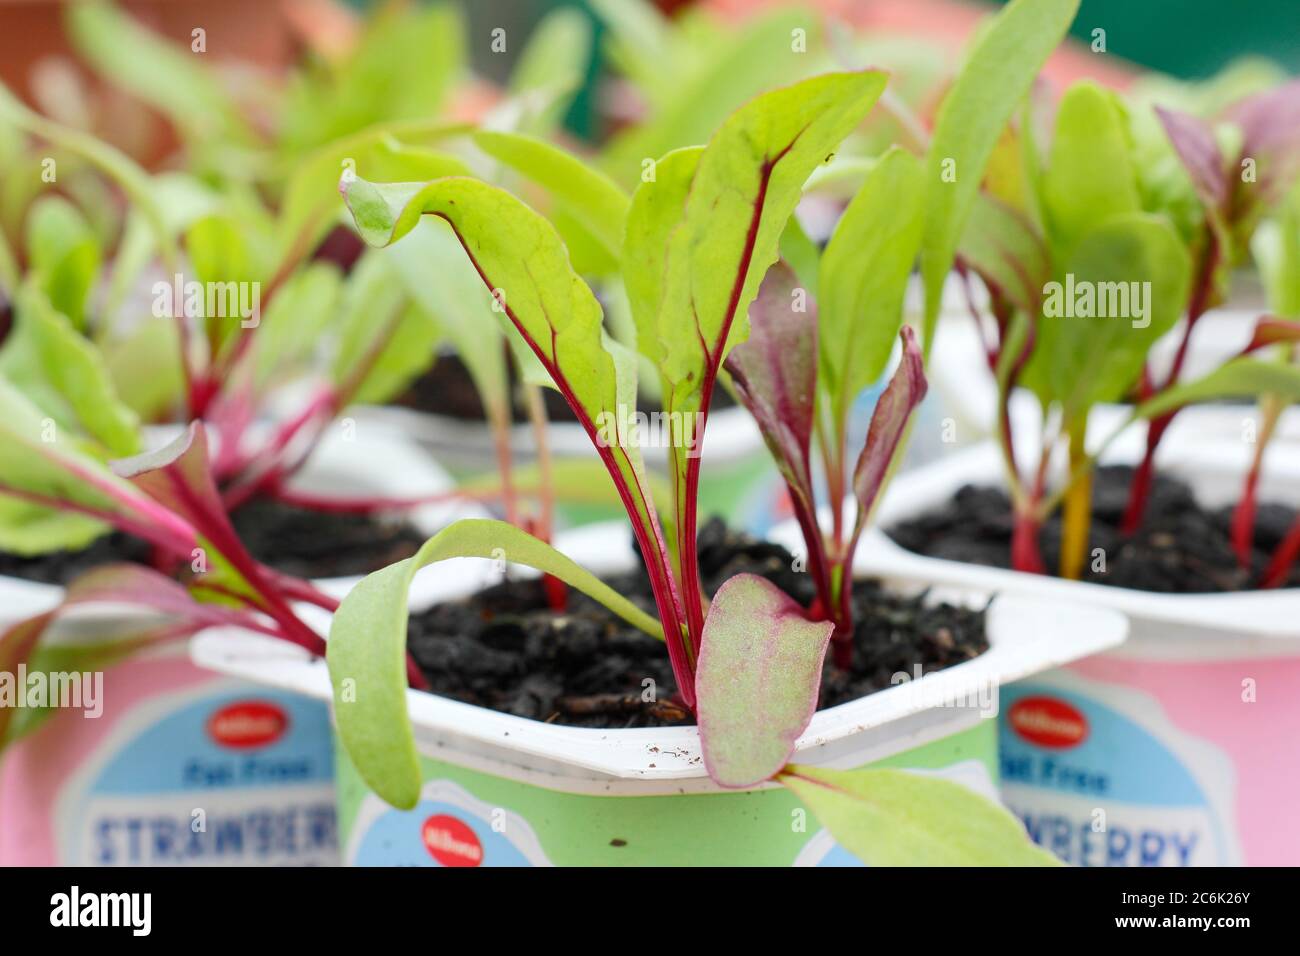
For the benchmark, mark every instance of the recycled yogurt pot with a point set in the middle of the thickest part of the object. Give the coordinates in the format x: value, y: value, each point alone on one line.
x: 504, y: 790
x: 735, y: 482
x: 1180, y: 748
x: 182, y: 766
x: 967, y: 393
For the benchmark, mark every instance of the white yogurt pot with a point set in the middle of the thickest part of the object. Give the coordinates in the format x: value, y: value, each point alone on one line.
x: 1183, y: 746
x: 735, y: 478
x: 961, y: 378
x: 183, y: 766
x: 502, y: 790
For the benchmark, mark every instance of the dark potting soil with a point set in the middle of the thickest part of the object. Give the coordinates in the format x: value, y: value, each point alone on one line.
x: 505, y: 649
x: 297, y: 541
x: 1181, y: 548
x: 315, y: 544
x: 447, y: 389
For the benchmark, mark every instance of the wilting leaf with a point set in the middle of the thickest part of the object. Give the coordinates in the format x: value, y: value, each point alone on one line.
x: 896, y: 818
x: 367, y: 646
x: 756, y: 683
x: 998, y: 73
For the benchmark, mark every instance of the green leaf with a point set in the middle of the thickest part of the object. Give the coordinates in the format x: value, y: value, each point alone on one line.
x: 1002, y: 245
x: 864, y: 273
x: 897, y: 818
x: 694, y: 94
x: 367, y: 646
x: 294, y: 322
x: 551, y: 69
x: 402, y: 68
x: 29, y: 529
x: 756, y: 683
x: 164, y: 75
x: 997, y: 75
x: 64, y: 254
x: 382, y: 342
x: 746, y: 185
x: 390, y: 153
x: 461, y: 306
x: 1090, y: 177
x: 591, y: 197
x: 1239, y: 378
x: 1130, y: 261
x: 74, y: 370
x: 44, y: 464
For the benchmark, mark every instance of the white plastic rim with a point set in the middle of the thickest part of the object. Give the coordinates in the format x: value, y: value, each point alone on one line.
x: 1026, y: 636
x: 1183, y: 626
x: 961, y: 378
x: 377, y: 460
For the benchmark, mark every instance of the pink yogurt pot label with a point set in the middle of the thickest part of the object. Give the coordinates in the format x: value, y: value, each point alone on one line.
x: 1122, y: 760
x: 181, y: 768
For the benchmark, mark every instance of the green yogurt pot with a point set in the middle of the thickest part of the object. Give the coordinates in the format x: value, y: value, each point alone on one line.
x: 504, y: 790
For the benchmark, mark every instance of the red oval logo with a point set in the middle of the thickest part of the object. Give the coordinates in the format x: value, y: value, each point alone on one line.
x: 451, y: 842
x: 248, y: 724
x: 1048, y: 722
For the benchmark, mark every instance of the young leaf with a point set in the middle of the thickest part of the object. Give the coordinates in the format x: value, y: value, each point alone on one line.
x: 367, y: 646
x: 1090, y: 177
x: 41, y: 464
x: 896, y: 818
x: 746, y: 185
x: 1004, y: 247
x: 591, y: 197
x: 775, y: 374
x: 64, y: 254
x: 519, y: 256
x: 759, y: 672
x: 1139, y: 274
x: 156, y: 71
x: 864, y: 272
x: 1239, y: 378
x: 998, y: 73
x: 888, y: 426
x: 551, y: 69
x: 74, y: 371
x: 1193, y: 140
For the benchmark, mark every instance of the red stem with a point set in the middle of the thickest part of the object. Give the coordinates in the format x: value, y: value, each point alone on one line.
x: 1284, y: 558
x: 1140, y: 490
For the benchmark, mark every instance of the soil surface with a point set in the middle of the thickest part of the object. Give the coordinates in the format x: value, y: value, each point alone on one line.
x: 297, y: 541
x: 1181, y: 548
x: 447, y: 389
x: 505, y: 649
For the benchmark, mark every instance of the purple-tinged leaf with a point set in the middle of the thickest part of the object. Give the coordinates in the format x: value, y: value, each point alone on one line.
x: 1270, y: 330
x: 179, y: 477
x: 888, y: 424
x: 177, y: 615
x: 1270, y: 135
x: 756, y: 685
x: 775, y: 373
x: 1194, y: 142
